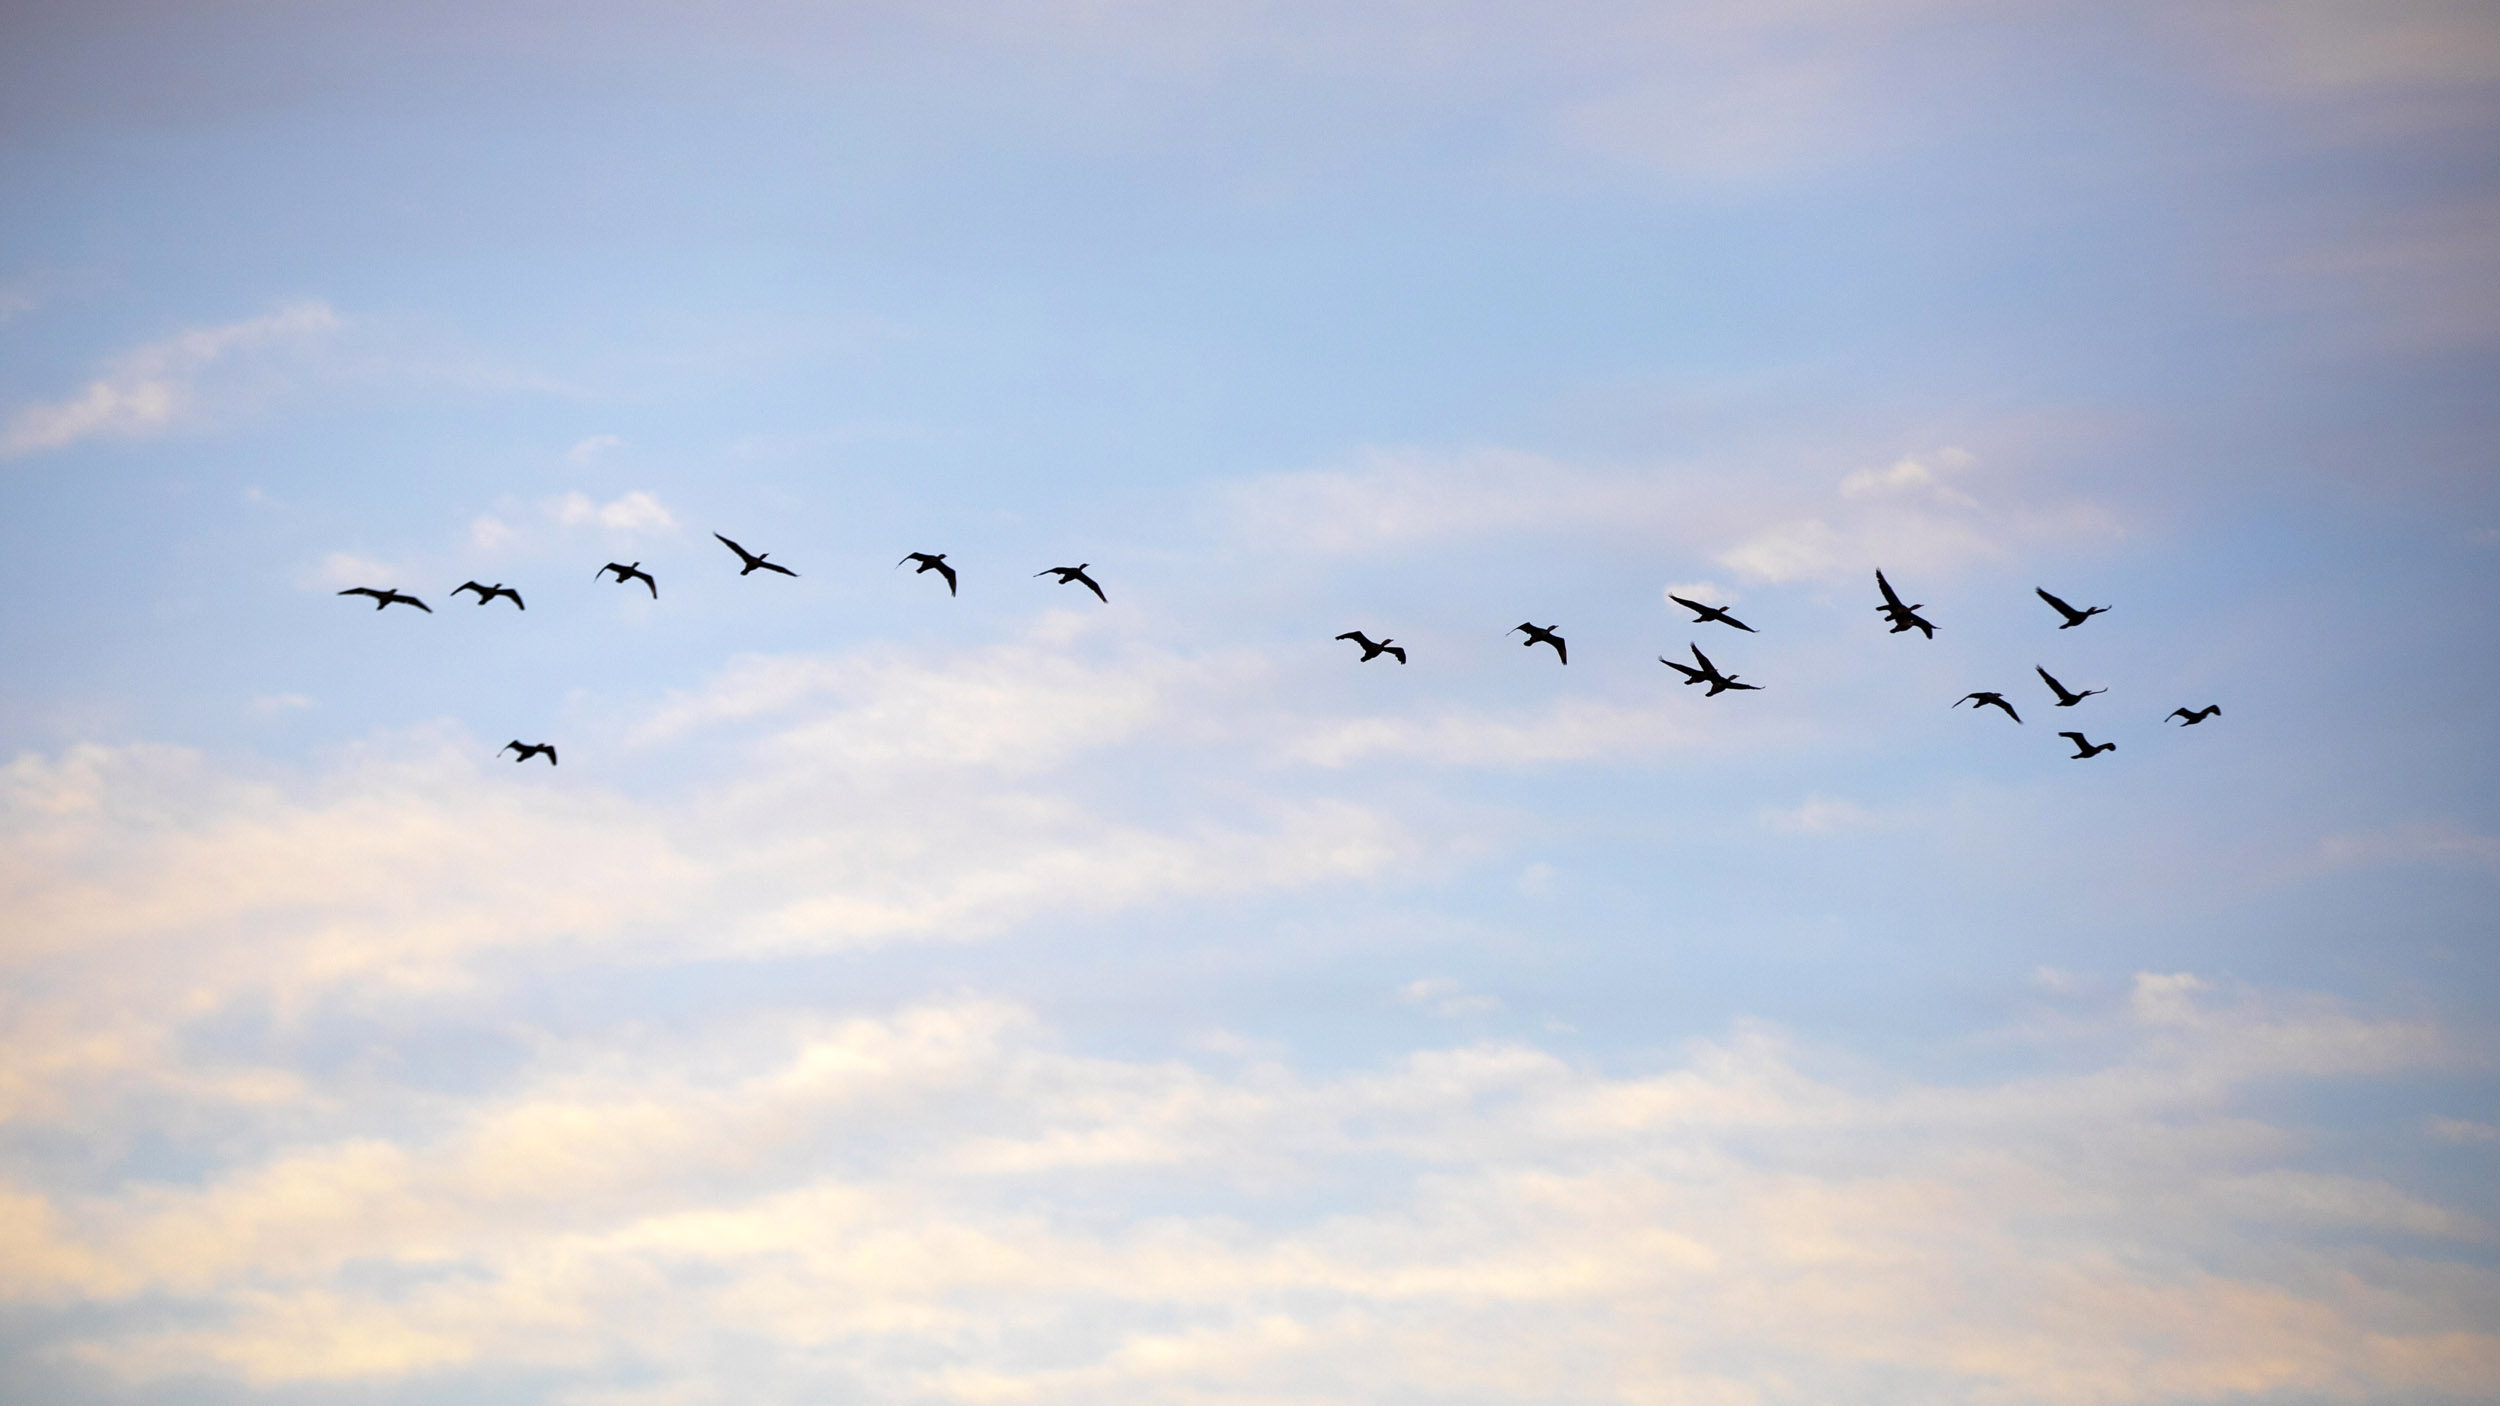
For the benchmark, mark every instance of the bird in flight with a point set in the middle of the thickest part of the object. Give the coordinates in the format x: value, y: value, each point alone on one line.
x: 634, y: 572
x: 1708, y: 673
x: 528, y: 750
x: 753, y: 560
x: 486, y: 594
x: 2073, y: 616
x: 1988, y: 700
x: 1903, y: 617
x: 384, y: 600
x: 1068, y: 576
x: 1373, y: 651
x: 1704, y: 614
x: 2085, y: 748
x: 1542, y: 634
x: 936, y: 561
x: 2066, y: 697
x: 2192, y: 717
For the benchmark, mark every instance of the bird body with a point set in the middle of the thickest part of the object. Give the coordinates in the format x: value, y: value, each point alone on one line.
x: 1903, y: 617
x: 2073, y: 616
x: 384, y: 600
x: 486, y: 594
x: 1542, y: 634
x: 2085, y: 749
x: 1988, y: 700
x: 936, y: 561
x: 2191, y: 717
x: 528, y: 750
x: 754, y: 560
x: 1373, y: 651
x: 2066, y: 697
x: 1068, y: 576
x: 625, y: 573
x: 1708, y: 673
x: 1704, y: 614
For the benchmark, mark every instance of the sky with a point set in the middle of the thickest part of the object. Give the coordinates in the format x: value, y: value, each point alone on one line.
x: 1014, y: 997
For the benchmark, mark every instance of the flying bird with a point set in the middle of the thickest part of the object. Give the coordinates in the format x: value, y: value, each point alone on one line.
x: 625, y: 573
x: 2073, y: 616
x: 753, y: 560
x: 1903, y: 617
x: 486, y: 594
x: 2192, y: 718
x: 528, y: 750
x: 1708, y: 673
x: 1988, y: 700
x: 1373, y: 651
x: 2066, y: 697
x: 1068, y: 576
x: 1541, y: 634
x: 2085, y: 748
x: 384, y: 600
x: 1704, y: 614
x: 936, y: 561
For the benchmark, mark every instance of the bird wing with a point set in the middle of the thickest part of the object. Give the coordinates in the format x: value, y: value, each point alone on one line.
x: 1886, y: 587
x: 774, y: 566
x: 2009, y: 710
x: 1561, y: 652
x: 483, y: 595
x: 1727, y: 619
x: 2183, y: 713
x: 743, y: 554
x: 516, y: 598
x: 1356, y: 636
x: 2060, y: 606
x: 2076, y: 738
x: 949, y: 573
x: 1700, y: 610
x: 1704, y: 660
x: 1088, y: 583
x: 551, y: 754
x: 1397, y: 650
x: 2051, y: 680
x: 1690, y: 673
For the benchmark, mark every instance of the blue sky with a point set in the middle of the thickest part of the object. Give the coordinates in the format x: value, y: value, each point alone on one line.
x: 1020, y: 998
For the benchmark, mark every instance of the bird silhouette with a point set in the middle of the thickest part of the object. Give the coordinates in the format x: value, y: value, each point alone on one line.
x: 1373, y: 651
x: 2192, y: 718
x: 2073, y: 616
x: 1542, y: 634
x: 1704, y: 614
x: 936, y: 561
x: 528, y: 750
x: 486, y: 594
x: 625, y: 573
x: 2066, y: 697
x: 1068, y: 576
x: 1708, y: 673
x: 753, y: 560
x: 384, y: 600
x: 2085, y: 748
x: 1903, y: 617
x: 1988, y: 700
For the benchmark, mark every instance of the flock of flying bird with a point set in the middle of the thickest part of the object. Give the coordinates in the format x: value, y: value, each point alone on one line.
x: 1903, y: 616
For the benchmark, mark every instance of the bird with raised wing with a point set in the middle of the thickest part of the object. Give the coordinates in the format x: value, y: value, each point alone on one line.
x: 633, y: 572
x: 384, y: 600
x: 2191, y: 717
x: 2073, y: 616
x: 1542, y: 634
x: 2086, y: 749
x: 1373, y: 651
x: 1988, y: 700
x: 1068, y: 576
x: 2066, y: 697
x: 528, y: 750
x: 936, y: 561
x: 1704, y: 614
x: 486, y: 594
x: 754, y: 560
x: 1708, y: 673
x: 1903, y: 617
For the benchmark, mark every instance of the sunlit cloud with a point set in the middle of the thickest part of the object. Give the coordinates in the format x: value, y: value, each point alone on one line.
x: 161, y: 386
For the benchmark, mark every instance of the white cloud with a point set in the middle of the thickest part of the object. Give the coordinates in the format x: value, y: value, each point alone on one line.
x: 1818, y: 815
x: 1707, y: 592
x: 2415, y: 842
x: 2462, y: 1131
x: 487, y: 532
x: 1446, y: 998
x: 159, y: 387
x: 339, y: 570
x: 591, y: 448
x: 272, y: 704
x: 637, y: 512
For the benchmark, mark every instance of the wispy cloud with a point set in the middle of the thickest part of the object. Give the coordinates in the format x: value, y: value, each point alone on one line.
x: 638, y: 513
x: 160, y: 386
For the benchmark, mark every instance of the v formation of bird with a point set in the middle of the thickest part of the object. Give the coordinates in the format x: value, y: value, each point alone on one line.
x: 1902, y: 616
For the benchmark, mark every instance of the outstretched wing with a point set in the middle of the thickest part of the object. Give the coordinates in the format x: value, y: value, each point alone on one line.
x: 1088, y: 583
x: 1398, y: 650
x: 1700, y: 612
x: 646, y: 580
x: 2059, y: 606
x: 774, y: 566
x: 1885, y: 586
x: 2076, y: 738
x: 362, y: 591
x: 949, y: 573
x: 1703, y: 660
x: 1357, y: 637
x: 1691, y: 674
x: 516, y: 598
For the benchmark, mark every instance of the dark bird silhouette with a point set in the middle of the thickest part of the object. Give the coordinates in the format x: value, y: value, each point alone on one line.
x: 1704, y: 614
x: 753, y: 560
x: 2084, y: 748
x: 1542, y: 634
x: 1708, y: 673
x: 1373, y: 651
x: 936, y: 561
x: 2073, y: 616
x: 1068, y: 576
x: 2066, y: 697
x: 634, y: 572
x: 1988, y: 700
x: 486, y: 594
x: 528, y: 750
x: 384, y: 600
x: 2192, y: 717
x: 1903, y: 617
